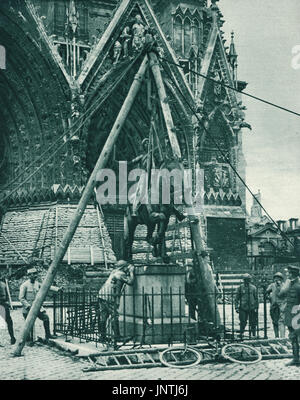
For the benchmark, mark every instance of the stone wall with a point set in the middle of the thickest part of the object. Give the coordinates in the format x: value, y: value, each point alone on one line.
x: 36, y: 231
x: 227, y: 238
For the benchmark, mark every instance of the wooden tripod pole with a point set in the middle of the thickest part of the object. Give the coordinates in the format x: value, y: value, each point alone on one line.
x: 204, y: 272
x: 61, y: 250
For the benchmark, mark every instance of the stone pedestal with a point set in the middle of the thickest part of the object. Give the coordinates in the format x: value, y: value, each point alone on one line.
x: 153, y: 309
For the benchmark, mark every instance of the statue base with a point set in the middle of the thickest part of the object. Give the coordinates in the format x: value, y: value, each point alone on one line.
x: 153, y: 310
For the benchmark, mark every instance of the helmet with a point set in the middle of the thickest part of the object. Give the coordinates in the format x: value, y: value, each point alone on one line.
x: 121, y: 264
x: 247, y: 277
x: 278, y: 275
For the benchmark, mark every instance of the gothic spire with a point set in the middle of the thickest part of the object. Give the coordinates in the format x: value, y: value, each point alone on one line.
x: 232, y: 57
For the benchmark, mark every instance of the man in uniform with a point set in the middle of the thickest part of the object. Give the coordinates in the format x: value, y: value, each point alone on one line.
x: 291, y: 289
x: 278, y: 305
x: 5, y: 310
x: 246, y: 305
x: 110, y: 294
x: 28, y: 292
x: 191, y: 293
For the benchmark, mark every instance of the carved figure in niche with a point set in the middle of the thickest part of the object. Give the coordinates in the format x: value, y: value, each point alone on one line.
x: 73, y: 17
x: 76, y: 160
x: 217, y: 87
x: 220, y: 177
x: 138, y: 33
x: 199, y: 110
x: 126, y: 38
x: 117, y: 51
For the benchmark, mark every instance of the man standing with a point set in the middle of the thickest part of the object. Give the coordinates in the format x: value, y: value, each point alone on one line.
x: 191, y: 293
x: 5, y: 311
x: 291, y: 289
x: 246, y: 305
x: 110, y: 294
x: 28, y: 292
x: 278, y: 305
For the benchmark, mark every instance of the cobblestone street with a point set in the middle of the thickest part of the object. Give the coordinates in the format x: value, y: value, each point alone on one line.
x: 43, y: 363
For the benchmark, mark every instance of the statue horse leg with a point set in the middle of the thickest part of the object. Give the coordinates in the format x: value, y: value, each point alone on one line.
x: 150, y: 230
x: 159, y: 249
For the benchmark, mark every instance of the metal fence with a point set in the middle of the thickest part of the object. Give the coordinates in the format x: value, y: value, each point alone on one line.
x: 153, y: 317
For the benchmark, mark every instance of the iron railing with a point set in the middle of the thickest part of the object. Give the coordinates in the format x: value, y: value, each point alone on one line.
x: 151, y: 317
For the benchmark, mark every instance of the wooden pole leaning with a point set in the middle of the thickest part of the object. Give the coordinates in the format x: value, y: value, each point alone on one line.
x: 204, y: 272
x: 61, y: 250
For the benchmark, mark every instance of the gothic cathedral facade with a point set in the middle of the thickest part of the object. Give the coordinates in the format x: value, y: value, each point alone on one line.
x: 69, y: 66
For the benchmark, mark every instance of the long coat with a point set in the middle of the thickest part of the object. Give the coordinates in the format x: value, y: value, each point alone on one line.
x: 292, y: 290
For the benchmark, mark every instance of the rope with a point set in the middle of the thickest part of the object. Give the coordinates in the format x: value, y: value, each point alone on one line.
x: 225, y: 156
x: 231, y: 88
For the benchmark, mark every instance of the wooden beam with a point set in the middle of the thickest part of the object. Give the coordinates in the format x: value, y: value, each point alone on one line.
x: 165, y: 105
x: 68, y: 235
x: 204, y: 273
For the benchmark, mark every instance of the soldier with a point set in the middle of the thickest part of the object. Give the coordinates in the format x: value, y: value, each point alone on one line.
x: 291, y: 289
x: 28, y: 292
x: 110, y: 294
x: 191, y: 293
x: 246, y: 305
x: 278, y: 305
x: 5, y: 310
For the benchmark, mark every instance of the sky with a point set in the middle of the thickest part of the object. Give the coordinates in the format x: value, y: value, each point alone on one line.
x: 266, y: 31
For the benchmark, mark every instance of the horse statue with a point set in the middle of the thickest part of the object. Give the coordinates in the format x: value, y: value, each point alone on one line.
x: 153, y: 216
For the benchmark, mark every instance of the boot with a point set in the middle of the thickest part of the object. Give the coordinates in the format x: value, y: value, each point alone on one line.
x: 102, y: 331
x: 116, y: 331
x: 11, y: 332
x: 47, y: 330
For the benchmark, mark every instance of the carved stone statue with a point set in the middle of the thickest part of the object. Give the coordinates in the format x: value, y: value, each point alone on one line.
x: 217, y: 87
x: 151, y: 215
x: 117, y: 51
x: 221, y: 177
x: 126, y: 38
x: 138, y: 33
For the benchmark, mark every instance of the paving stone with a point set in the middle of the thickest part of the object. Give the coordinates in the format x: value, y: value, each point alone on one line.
x: 42, y: 362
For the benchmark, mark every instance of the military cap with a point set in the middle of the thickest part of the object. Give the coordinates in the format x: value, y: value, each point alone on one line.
x: 247, y: 277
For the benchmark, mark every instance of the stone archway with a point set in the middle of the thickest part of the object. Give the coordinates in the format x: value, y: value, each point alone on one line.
x: 34, y: 103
